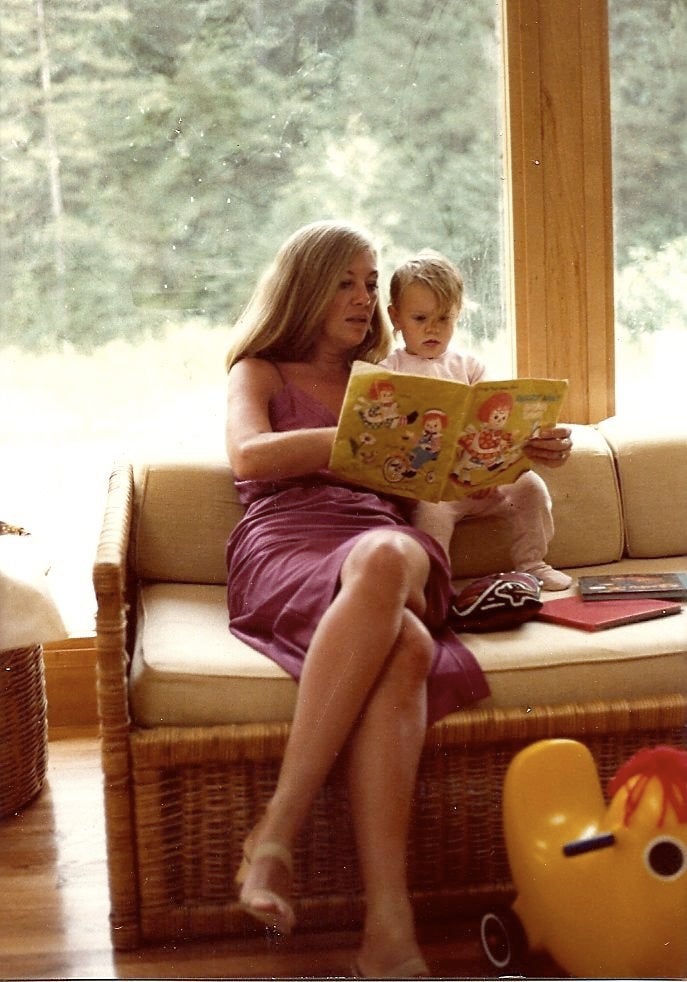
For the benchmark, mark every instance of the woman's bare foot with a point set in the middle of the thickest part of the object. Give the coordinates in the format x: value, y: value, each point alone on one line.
x: 414, y: 967
x: 389, y: 949
x: 265, y: 878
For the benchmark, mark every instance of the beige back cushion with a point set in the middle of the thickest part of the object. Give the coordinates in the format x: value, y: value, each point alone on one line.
x: 184, y: 513
x: 652, y: 468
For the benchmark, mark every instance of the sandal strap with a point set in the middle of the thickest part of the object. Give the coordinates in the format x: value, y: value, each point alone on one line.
x: 273, y: 850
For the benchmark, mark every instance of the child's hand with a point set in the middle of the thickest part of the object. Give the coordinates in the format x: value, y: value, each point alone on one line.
x: 551, y: 447
x: 482, y: 493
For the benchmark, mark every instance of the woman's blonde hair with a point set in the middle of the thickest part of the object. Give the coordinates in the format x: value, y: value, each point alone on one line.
x: 285, y: 315
x: 434, y: 271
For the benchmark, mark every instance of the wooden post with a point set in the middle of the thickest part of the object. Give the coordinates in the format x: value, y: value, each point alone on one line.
x: 560, y: 197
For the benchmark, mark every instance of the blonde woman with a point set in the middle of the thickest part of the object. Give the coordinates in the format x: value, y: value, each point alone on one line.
x: 334, y: 584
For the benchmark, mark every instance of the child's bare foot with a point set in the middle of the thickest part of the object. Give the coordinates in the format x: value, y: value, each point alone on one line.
x: 551, y: 579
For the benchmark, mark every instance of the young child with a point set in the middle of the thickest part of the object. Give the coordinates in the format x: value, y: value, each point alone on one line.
x: 426, y: 295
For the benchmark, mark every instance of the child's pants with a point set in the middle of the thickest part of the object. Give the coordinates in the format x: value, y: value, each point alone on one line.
x: 526, y: 505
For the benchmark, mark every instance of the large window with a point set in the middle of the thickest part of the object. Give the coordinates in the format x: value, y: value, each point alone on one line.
x: 649, y: 114
x: 153, y: 158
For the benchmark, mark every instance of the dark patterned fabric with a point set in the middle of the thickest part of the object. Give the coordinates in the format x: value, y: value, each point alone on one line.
x: 496, y: 602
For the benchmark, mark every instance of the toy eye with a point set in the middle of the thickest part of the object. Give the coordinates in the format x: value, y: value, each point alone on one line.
x: 666, y: 858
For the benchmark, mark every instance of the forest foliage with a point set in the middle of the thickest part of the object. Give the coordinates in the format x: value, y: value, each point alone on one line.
x: 153, y: 155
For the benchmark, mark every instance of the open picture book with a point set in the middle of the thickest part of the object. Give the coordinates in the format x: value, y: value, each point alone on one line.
x: 437, y: 439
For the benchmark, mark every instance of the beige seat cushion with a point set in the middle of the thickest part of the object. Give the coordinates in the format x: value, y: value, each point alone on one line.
x: 548, y: 664
x: 188, y: 669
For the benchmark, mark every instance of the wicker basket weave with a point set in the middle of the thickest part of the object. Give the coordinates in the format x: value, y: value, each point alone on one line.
x: 23, y: 727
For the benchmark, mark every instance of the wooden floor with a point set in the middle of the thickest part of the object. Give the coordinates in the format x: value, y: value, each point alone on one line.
x: 54, y: 904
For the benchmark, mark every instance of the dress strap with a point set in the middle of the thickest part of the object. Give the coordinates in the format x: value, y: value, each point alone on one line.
x: 280, y: 373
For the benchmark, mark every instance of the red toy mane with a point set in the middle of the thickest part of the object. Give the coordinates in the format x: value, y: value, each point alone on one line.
x: 669, y: 766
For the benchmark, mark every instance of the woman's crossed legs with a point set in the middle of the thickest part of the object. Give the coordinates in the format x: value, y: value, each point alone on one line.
x: 363, y: 689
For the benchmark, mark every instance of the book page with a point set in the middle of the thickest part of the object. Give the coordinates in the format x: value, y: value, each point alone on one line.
x: 397, y: 432
x: 504, y: 416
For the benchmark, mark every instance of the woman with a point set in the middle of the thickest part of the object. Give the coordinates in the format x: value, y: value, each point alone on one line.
x: 334, y: 584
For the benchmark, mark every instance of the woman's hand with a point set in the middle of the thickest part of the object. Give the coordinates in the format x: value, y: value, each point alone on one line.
x: 551, y: 447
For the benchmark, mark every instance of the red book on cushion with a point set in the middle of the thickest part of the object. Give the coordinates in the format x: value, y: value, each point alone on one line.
x: 602, y: 614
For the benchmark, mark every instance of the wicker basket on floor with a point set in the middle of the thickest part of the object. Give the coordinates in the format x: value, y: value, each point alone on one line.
x: 23, y: 727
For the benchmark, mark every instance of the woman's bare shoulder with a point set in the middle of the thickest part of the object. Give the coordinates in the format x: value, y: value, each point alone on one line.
x: 255, y: 374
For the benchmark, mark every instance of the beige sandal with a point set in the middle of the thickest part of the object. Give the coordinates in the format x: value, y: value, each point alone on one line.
x: 261, y: 903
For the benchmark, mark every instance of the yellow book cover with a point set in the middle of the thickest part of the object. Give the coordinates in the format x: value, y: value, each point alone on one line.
x: 437, y: 439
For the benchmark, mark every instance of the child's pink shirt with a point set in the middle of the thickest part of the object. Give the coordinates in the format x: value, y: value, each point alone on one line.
x: 451, y: 365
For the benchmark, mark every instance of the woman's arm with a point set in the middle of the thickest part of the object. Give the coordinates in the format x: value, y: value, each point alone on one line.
x: 254, y: 450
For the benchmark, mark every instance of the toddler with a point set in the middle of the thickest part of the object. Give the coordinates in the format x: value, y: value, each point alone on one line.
x: 426, y: 295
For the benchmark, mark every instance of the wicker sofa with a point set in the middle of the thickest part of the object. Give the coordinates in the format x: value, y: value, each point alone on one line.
x: 194, y: 723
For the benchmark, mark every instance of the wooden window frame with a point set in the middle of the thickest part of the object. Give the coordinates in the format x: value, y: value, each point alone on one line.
x: 559, y: 197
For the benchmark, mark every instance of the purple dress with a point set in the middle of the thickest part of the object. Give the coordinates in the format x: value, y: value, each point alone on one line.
x: 284, y: 558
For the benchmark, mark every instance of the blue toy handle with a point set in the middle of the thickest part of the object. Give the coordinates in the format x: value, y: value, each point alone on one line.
x: 591, y: 844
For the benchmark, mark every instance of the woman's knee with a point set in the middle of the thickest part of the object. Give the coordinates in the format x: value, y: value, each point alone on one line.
x: 413, y: 653
x: 417, y: 641
x: 389, y: 564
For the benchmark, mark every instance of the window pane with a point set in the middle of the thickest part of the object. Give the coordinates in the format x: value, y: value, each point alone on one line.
x: 151, y: 166
x: 649, y: 114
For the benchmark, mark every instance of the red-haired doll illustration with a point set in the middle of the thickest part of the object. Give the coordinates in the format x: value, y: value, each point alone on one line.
x: 381, y: 408
x: 489, y: 446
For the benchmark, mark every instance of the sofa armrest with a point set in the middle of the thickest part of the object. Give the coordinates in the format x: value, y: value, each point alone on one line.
x: 110, y: 583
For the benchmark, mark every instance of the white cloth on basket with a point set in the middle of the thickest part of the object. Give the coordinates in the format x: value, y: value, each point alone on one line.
x: 28, y: 612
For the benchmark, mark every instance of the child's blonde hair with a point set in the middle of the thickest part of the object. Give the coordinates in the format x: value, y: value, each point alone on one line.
x: 434, y: 271
x: 285, y: 315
